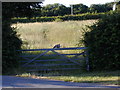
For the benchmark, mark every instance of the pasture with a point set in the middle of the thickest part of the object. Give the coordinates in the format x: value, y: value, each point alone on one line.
x: 47, y: 34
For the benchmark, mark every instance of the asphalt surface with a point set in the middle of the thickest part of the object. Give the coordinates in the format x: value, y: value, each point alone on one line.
x: 20, y: 82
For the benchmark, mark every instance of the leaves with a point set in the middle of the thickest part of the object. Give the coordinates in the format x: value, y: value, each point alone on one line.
x: 11, y: 41
x: 103, y: 42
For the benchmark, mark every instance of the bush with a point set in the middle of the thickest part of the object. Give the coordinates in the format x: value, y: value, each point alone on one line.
x: 10, y: 44
x: 58, y: 20
x: 103, y: 43
x: 46, y: 19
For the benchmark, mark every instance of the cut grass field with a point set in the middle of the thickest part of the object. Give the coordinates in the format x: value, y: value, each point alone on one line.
x: 103, y: 77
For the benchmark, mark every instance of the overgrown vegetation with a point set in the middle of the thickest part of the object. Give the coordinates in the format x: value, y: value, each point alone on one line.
x: 10, y: 42
x: 103, y: 43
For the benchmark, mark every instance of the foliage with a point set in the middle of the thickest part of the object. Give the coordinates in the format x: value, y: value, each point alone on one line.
x: 118, y: 6
x: 103, y: 43
x: 80, y: 8
x: 11, y: 42
x: 61, y: 10
x: 58, y: 20
x: 100, y: 8
x: 85, y: 16
x: 54, y: 10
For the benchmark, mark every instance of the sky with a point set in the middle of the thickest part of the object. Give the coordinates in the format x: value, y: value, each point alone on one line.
x: 85, y: 2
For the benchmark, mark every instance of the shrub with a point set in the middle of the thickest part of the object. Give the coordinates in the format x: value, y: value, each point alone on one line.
x: 58, y: 20
x: 103, y: 43
x: 46, y: 19
x: 10, y: 44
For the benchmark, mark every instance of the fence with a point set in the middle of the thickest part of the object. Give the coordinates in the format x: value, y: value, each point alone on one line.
x: 35, y: 59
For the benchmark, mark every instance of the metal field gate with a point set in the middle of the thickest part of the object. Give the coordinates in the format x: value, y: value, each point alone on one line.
x: 54, y: 59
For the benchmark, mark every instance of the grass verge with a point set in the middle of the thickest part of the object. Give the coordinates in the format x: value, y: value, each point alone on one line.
x: 103, y: 77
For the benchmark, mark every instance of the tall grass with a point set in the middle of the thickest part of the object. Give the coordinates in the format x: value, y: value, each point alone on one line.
x: 47, y: 34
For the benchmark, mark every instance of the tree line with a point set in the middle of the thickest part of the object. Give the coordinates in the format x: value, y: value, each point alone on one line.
x: 61, y: 10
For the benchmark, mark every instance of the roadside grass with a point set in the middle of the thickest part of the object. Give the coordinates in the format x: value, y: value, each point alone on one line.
x: 101, y: 77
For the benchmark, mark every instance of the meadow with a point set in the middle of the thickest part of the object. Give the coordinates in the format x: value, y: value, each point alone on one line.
x: 47, y: 34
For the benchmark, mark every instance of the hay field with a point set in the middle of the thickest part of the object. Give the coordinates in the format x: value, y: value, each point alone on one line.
x: 47, y: 34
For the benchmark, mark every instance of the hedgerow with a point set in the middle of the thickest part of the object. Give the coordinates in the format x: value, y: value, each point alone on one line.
x: 103, y: 43
x: 85, y: 16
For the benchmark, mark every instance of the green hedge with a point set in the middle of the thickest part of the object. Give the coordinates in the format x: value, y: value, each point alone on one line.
x: 85, y: 16
x: 103, y: 42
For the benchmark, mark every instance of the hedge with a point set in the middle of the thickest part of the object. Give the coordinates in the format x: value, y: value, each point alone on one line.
x: 103, y: 43
x: 85, y: 16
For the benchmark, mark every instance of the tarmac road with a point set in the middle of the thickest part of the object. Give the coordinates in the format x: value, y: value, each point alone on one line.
x: 20, y: 82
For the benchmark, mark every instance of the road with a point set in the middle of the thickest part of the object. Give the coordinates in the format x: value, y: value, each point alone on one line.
x: 20, y: 82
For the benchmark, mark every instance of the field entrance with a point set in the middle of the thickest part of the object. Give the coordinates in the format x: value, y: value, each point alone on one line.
x: 54, y: 61
x: 39, y: 35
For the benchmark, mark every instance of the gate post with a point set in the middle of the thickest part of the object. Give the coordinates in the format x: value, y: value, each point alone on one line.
x: 87, y: 60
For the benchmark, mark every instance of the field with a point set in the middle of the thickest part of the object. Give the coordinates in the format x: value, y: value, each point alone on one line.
x: 47, y: 34
x: 68, y: 34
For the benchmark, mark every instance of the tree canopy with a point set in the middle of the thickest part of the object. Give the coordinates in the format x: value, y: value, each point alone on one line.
x: 11, y: 42
x: 100, y: 8
x: 80, y: 8
x: 19, y: 9
x: 54, y: 10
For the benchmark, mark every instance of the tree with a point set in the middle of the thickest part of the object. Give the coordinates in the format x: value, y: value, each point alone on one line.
x: 11, y: 42
x: 54, y: 10
x: 118, y: 6
x: 99, y: 8
x: 80, y: 8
